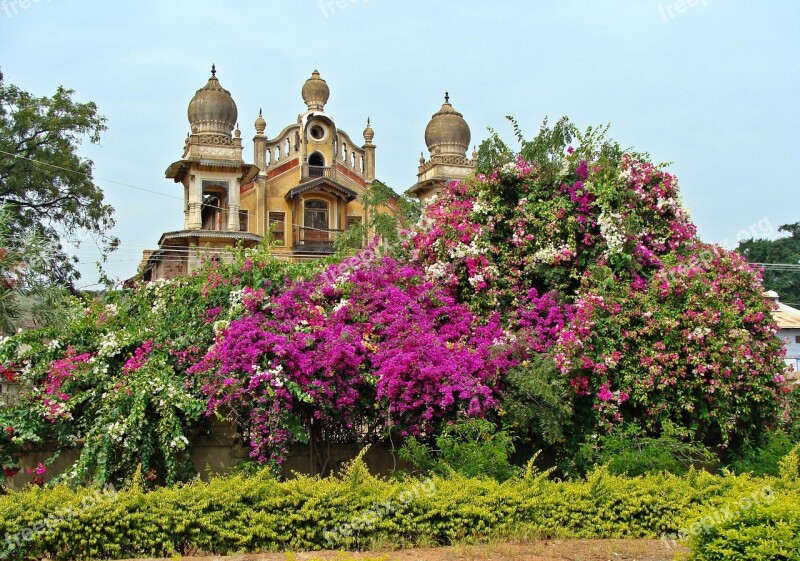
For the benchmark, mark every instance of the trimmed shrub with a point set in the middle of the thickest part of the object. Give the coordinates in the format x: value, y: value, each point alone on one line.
x: 767, y: 531
x: 354, y: 510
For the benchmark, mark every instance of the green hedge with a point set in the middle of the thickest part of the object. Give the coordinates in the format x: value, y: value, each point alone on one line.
x: 766, y: 531
x: 760, y: 526
x: 239, y: 513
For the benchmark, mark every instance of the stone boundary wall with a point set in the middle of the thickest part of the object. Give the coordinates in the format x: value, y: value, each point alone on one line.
x: 221, y: 450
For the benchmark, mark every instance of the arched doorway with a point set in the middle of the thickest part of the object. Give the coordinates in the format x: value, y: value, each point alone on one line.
x: 316, y: 165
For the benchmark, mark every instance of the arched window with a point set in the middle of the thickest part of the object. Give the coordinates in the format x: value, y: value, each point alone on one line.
x: 316, y: 159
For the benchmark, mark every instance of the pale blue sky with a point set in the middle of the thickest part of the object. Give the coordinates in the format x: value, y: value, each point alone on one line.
x: 710, y: 85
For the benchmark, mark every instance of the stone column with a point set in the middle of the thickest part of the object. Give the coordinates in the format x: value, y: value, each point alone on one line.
x: 233, y: 206
x: 185, y: 207
x: 369, y: 162
x: 195, y: 221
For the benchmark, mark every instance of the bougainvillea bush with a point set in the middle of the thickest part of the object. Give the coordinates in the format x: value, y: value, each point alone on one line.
x: 661, y: 327
x: 562, y: 291
x: 380, y: 347
x: 113, y: 380
x: 533, y: 224
x: 694, y: 344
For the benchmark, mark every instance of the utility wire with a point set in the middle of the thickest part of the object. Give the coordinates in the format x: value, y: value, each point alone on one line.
x: 122, y: 184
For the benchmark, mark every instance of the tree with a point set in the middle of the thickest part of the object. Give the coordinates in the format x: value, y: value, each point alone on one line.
x: 783, y: 250
x: 387, y: 214
x: 24, y: 291
x: 45, y: 185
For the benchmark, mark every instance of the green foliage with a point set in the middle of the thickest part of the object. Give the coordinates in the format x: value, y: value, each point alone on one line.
x: 763, y: 459
x: 761, y: 530
x: 493, y: 153
x: 44, y: 180
x: 472, y: 448
x: 789, y: 465
x: 548, y: 149
x: 387, y: 213
x: 781, y: 250
x: 537, y: 402
x: 354, y: 510
x: 629, y: 450
x: 24, y: 288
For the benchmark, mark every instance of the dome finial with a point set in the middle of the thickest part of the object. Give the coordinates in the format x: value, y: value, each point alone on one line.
x: 369, y: 134
x: 446, y: 97
x: 213, y: 70
x: 260, y: 123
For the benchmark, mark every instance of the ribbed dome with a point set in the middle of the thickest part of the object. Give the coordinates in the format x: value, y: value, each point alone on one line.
x: 316, y: 92
x: 212, y: 109
x: 447, y: 132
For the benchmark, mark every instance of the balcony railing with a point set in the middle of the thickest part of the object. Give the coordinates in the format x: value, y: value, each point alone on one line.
x: 313, y: 240
x: 313, y: 172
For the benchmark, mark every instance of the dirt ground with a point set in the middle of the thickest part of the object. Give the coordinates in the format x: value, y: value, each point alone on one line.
x: 547, y: 550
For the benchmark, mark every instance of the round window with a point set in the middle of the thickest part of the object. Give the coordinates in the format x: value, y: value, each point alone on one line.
x: 316, y: 132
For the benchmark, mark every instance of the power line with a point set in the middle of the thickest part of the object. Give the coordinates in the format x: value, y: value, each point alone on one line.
x: 48, y: 164
x: 205, y: 205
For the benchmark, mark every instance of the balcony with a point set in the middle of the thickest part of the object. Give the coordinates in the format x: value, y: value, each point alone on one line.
x: 316, y: 241
x: 314, y: 172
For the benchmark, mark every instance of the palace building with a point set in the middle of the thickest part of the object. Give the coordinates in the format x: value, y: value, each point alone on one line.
x: 303, y: 187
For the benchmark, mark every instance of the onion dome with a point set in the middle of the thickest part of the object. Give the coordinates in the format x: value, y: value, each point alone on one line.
x: 447, y: 132
x: 316, y: 92
x: 369, y: 134
x: 260, y: 123
x: 212, y: 109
